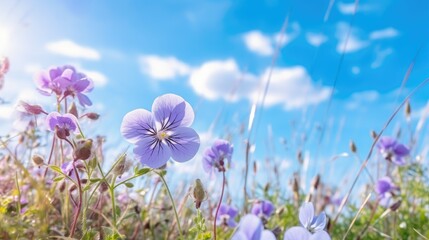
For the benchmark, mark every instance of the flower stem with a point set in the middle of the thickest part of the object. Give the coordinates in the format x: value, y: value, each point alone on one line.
x: 112, y: 196
x: 79, y: 206
x: 172, y: 203
x: 218, y: 205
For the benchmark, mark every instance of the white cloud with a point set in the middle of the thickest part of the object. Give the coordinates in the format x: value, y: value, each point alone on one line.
x: 291, y: 87
x: 264, y: 45
x: 258, y: 42
x: 380, y: 55
x: 359, y: 98
x: 71, y: 49
x: 384, y: 33
x: 349, y: 8
x: 315, y: 39
x: 353, y: 43
x: 163, y: 68
x: 221, y: 80
x: 98, y: 78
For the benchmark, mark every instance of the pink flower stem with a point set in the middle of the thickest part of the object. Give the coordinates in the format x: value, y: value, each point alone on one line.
x: 79, y: 206
x: 218, y: 205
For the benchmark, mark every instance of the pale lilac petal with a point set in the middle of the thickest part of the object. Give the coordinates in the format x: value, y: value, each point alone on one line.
x: 81, y: 85
x: 67, y: 74
x: 55, y: 73
x: 268, y: 235
x: 306, y: 214
x: 386, y: 142
x: 251, y: 226
x: 232, y: 223
x: 69, y: 121
x: 52, y: 121
x: 320, y: 235
x: 384, y: 185
x: 400, y: 161
x: 172, y: 111
x: 239, y: 236
x: 83, y: 100
x: 208, y: 161
x: 184, y: 144
x: 401, y: 150
x: 297, y: 233
x: 151, y: 152
x: 319, y: 222
x: 137, y: 124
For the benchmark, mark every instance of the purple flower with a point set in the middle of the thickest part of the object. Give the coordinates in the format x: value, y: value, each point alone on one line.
x: 251, y: 228
x: 65, y: 81
x: 163, y: 133
x: 62, y: 125
x: 226, y: 216
x: 312, y: 226
x: 392, y: 150
x: 385, y: 189
x: 215, y: 156
x: 263, y: 209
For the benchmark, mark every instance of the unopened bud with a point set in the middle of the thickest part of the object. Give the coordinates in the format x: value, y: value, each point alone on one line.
x: 199, y: 193
x: 93, y: 116
x: 352, y: 146
x: 62, y: 186
x: 395, y: 206
x: 267, y: 187
x: 73, y: 110
x: 83, y: 149
x: 103, y: 186
x: 408, y: 110
x: 37, y: 160
x: 300, y: 157
x: 122, y: 166
x: 30, y: 109
x: 373, y: 134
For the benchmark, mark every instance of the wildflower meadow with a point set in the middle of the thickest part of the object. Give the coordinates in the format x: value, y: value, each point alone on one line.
x: 86, y: 155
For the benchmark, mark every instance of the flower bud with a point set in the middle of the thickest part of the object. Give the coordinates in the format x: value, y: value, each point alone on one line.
x: 122, y: 166
x: 93, y: 116
x: 408, y: 110
x: 395, y: 206
x: 373, y: 134
x: 73, y: 110
x: 37, y: 160
x: 199, y: 193
x: 352, y: 146
x: 30, y: 109
x: 83, y: 149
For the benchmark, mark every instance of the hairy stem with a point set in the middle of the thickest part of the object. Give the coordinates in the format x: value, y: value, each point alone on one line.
x: 79, y: 206
x: 218, y: 205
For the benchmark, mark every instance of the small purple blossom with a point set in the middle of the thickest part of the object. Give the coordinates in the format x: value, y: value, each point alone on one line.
x: 312, y: 226
x: 251, y: 228
x: 385, y: 189
x: 226, y: 216
x: 263, y: 209
x: 62, y: 125
x: 215, y: 156
x: 163, y: 133
x: 393, y: 151
x: 65, y: 81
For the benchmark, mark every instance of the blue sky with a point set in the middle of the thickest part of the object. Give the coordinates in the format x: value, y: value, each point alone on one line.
x: 216, y: 54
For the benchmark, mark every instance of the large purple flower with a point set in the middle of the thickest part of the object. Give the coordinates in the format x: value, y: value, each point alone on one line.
x: 62, y: 125
x: 312, y: 226
x: 385, y: 189
x: 226, y: 216
x: 215, y: 156
x: 163, y: 133
x: 393, y: 151
x: 65, y: 81
x: 251, y: 228
x: 263, y: 209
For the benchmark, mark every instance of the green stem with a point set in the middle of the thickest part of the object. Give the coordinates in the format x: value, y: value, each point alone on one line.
x: 172, y: 202
x: 112, y: 196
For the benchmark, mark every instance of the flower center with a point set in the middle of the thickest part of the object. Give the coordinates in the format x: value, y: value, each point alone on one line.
x: 162, y: 135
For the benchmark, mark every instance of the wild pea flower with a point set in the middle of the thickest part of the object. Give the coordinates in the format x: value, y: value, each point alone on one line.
x: 393, y: 151
x: 263, y: 209
x: 312, y: 226
x: 215, y: 156
x: 385, y: 189
x: 65, y: 81
x: 62, y: 125
x: 226, y: 216
x: 251, y: 228
x: 163, y: 133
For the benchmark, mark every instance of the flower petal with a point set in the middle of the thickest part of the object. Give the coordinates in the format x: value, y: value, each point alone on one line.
x: 83, y: 100
x: 52, y: 121
x: 172, y: 111
x: 297, y: 233
x: 306, y: 214
x: 320, y: 235
x: 81, y: 85
x: 251, y: 226
x: 401, y: 150
x: 319, y: 222
x: 151, y: 152
x: 184, y: 144
x: 137, y: 124
x: 239, y: 236
x: 268, y: 235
